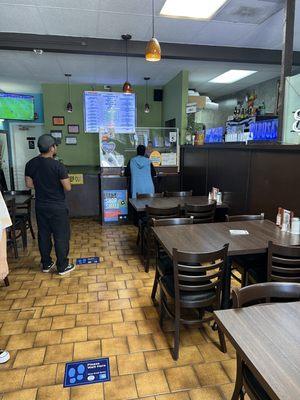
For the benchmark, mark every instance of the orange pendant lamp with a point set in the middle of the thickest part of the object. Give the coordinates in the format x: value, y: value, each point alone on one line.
x: 153, y: 51
x: 127, y: 88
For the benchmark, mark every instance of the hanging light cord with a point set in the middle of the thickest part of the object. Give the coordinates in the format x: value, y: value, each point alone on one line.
x: 146, y: 91
x: 126, y: 41
x: 69, y: 89
x: 153, y: 18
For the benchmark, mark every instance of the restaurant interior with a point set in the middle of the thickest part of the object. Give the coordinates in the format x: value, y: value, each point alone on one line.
x: 187, y: 291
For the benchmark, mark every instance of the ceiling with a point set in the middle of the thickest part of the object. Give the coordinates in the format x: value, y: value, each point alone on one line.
x: 28, y: 68
x: 241, y: 23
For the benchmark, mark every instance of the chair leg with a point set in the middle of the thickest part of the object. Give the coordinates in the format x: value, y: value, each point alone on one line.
x: 238, y: 389
x: 24, y: 236
x: 6, y: 281
x: 31, y: 228
x: 175, y: 350
x: 222, y: 341
x: 155, y: 284
x: 161, y: 309
x: 14, y: 243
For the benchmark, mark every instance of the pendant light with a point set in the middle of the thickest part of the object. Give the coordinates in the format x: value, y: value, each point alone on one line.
x: 153, y: 51
x: 127, y: 88
x: 147, y: 106
x: 69, y: 107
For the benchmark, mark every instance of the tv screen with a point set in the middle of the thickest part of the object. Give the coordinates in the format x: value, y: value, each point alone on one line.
x: 16, y: 106
x: 109, y: 110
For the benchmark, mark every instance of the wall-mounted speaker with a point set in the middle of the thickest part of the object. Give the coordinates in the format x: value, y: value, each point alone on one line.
x: 158, y: 95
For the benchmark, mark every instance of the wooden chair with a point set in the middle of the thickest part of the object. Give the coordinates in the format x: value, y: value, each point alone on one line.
x: 142, y: 219
x: 18, y: 225
x: 250, y: 295
x: 283, y: 263
x: 23, y: 211
x: 195, y: 285
x: 148, y: 242
x: 164, y: 265
x: 202, y: 213
x: 250, y: 267
x: 187, y: 193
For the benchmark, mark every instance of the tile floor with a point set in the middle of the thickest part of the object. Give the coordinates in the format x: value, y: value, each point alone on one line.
x: 101, y: 310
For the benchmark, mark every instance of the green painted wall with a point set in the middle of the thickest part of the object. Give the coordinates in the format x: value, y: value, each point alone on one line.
x: 86, y: 152
x: 175, y: 101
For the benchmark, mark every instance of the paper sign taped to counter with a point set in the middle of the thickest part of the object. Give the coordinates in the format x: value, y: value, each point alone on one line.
x: 76, y: 179
x: 168, y: 159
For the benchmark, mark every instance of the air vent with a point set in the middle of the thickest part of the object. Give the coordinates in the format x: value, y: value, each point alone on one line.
x: 254, y: 13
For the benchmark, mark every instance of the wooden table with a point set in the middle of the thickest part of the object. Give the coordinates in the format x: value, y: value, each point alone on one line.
x: 209, y: 237
x: 19, y: 198
x: 165, y: 202
x: 268, y: 339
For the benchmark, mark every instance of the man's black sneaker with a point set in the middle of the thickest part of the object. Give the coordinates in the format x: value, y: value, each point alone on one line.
x: 49, y: 268
x: 68, y: 269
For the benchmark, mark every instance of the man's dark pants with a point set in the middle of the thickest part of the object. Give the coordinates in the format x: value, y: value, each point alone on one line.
x: 54, y: 222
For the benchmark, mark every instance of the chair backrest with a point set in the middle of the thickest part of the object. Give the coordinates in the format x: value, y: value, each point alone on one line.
x: 244, y: 217
x: 202, y: 213
x: 198, y: 273
x: 187, y: 193
x: 267, y: 292
x: 159, y: 213
x: 172, y: 221
x: 283, y: 263
x: 149, y: 195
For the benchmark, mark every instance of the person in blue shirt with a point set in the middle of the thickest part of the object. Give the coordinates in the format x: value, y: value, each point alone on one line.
x: 141, y: 172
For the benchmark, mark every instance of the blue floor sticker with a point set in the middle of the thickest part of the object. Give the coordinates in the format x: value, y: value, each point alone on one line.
x: 87, y: 372
x: 87, y: 260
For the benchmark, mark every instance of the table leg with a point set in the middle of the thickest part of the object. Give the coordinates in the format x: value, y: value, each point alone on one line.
x: 225, y: 303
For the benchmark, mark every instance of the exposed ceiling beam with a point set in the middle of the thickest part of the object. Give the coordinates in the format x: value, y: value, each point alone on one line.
x: 112, y: 47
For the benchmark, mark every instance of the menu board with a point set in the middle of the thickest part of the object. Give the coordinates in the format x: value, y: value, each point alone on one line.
x: 109, y: 110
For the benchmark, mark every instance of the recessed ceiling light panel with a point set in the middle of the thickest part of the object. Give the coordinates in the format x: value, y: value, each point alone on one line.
x: 232, y: 76
x: 195, y: 9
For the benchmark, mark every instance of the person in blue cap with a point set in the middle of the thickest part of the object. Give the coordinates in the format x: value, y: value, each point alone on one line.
x: 141, y: 172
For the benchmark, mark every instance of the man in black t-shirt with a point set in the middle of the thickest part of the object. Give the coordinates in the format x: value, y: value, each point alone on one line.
x: 50, y: 180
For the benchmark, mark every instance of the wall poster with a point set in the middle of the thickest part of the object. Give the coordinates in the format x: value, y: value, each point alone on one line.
x: 115, y: 205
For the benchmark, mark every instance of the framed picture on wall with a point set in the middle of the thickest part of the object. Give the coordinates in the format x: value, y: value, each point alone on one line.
x: 57, y: 134
x: 73, y: 129
x: 58, y: 120
x: 71, y: 140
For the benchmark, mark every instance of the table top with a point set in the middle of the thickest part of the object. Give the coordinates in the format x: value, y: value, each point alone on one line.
x: 19, y: 198
x: 267, y: 338
x: 164, y: 202
x: 209, y: 237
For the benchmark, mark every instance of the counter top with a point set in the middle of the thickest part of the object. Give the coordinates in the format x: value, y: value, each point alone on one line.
x: 83, y: 169
x: 243, y: 146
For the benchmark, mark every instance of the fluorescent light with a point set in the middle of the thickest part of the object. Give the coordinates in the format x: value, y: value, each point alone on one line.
x: 232, y: 75
x: 196, y: 9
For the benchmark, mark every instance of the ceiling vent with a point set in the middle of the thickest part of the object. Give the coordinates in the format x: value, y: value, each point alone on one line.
x: 242, y: 11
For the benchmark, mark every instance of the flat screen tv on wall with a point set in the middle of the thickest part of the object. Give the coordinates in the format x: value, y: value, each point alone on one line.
x: 16, y: 106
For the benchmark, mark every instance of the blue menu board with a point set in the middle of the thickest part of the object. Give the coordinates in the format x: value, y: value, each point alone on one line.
x: 109, y: 110
x: 115, y: 205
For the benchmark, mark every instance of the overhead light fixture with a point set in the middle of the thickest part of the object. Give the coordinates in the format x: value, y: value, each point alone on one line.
x: 153, y: 51
x: 195, y: 9
x: 147, y: 105
x: 69, y: 107
x: 127, y: 88
x: 232, y: 76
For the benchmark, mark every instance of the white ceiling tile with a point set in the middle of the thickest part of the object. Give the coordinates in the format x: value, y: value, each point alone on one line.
x: 18, y: 18
x: 19, y: 2
x: 69, y: 22
x: 178, y: 30
x: 130, y: 7
x: 112, y: 26
x: 79, y: 4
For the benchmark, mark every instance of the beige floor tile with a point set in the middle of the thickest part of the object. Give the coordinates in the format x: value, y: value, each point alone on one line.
x: 127, y: 293
x: 39, y: 324
x: 85, y: 350
x: 210, y: 374
x: 120, y: 388
x: 6, y: 316
x: 46, y: 338
x: 125, y: 329
x: 26, y: 394
x: 227, y: 390
x: 140, y: 343
x: 174, y: 396
x: 119, y: 304
x: 131, y: 363
x: 73, y: 335
x: 205, y: 394
x: 100, y: 332
x: 63, y: 322
x: 13, y: 327
x: 114, y: 346
x: 108, y: 295
x: 211, y: 352
x: 16, y: 294
x: 59, y: 353
x: 53, y: 392
x: 110, y: 317
x: 22, y: 341
x: 29, y: 357
x: 181, y: 378
x: 87, y: 297
x: 11, y: 379
x: 230, y: 369
x: 20, y: 304
x: 76, y: 308
x: 98, y: 306
x: 40, y: 376
x: 87, y: 392
x: 87, y: 319
x: 151, y: 383
x: 66, y: 299
x: 51, y: 311
x: 133, y: 314
x: 45, y: 301
x: 6, y: 304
